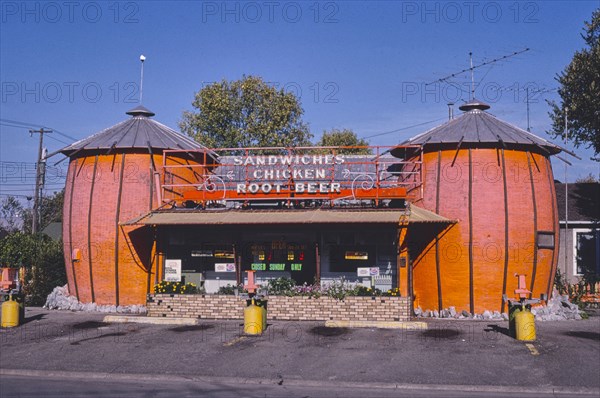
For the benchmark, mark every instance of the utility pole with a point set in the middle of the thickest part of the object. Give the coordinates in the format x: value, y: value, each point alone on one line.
x: 40, y: 169
x: 567, y: 198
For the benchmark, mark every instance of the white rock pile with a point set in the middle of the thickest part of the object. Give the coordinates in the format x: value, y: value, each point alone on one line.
x: 558, y: 309
x: 60, y: 299
x: 450, y: 313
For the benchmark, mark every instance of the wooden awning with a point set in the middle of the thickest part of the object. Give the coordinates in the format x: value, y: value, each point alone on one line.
x: 279, y: 217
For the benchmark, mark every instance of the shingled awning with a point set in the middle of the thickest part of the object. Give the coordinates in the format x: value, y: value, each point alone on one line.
x: 279, y: 217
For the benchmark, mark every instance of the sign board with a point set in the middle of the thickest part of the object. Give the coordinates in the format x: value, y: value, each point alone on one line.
x: 224, y: 267
x: 224, y: 254
x: 296, y: 173
x: 367, y: 272
x: 354, y: 255
x: 173, y: 270
x: 201, y: 253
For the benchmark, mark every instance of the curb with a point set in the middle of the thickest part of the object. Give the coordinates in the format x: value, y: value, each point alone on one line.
x: 408, y: 325
x: 581, y: 391
x: 149, y: 320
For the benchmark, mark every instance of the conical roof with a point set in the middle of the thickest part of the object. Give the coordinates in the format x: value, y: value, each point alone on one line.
x: 476, y: 127
x: 138, y: 132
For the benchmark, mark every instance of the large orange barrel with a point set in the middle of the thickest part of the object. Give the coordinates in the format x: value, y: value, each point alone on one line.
x: 497, y: 181
x: 112, y: 178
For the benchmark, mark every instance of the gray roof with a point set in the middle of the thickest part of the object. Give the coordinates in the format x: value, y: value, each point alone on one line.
x: 478, y: 127
x: 138, y: 132
x: 53, y: 230
x: 583, y: 203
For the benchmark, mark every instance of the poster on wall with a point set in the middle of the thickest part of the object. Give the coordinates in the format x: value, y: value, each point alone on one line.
x: 366, y: 272
x: 224, y: 267
x: 173, y: 270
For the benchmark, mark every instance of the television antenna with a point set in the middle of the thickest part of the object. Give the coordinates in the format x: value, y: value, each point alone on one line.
x: 473, y: 67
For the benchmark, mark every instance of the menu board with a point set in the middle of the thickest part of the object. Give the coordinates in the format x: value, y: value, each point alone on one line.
x: 173, y: 270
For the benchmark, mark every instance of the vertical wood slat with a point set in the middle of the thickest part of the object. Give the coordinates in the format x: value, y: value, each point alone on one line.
x: 90, y: 228
x: 471, y: 298
x: 437, y: 239
x: 506, y: 231
x: 555, y: 229
x: 535, y: 238
x: 117, y: 216
x: 71, y: 228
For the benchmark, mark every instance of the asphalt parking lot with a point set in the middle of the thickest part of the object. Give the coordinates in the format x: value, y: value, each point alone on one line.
x: 457, y: 352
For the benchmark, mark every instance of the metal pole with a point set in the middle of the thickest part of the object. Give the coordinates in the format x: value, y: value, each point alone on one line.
x: 39, y: 171
x: 567, y: 200
x: 450, y: 111
x: 142, y: 59
x: 472, y: 77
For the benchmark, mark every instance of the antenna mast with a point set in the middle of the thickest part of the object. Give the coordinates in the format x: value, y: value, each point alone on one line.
x: 142, y: 59
x: 472, y: 76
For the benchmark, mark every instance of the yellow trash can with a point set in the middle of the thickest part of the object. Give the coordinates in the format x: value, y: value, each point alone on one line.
x: 253, y: 319
x: 525, y: 326
x: 10, y: 313
x: 262, y: 304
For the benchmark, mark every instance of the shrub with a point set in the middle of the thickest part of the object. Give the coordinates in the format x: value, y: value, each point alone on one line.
x: 229, y: 290
x: 339, y: 289
x: 395, y: 292
x: 165, y: 287
x: 43, y: 261
x: 281, y: 286
x: 360, y: 290
x: 313, y: 290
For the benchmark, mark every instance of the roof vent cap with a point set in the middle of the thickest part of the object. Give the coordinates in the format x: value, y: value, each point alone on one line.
x: 474, y: 104
x: 140, y: 111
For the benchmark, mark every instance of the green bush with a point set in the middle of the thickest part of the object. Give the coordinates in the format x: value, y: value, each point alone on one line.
x: 339, y: 289
x: 229, y: 290
x: 43, y: 261
x: 281, y: 286
x: 360, y: 290
x: 165, y: 287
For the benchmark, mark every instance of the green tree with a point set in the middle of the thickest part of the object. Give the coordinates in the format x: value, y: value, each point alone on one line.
x: 590, y: 178
x: 245, y: 113
x: 345, y: 138
x: 11, y: 215
x: 580, y: 93
x: 42, y: 259
x: 51, y: 208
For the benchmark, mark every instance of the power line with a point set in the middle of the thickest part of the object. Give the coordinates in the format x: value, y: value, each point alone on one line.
x: 404, y: 128
x: 40, y: 126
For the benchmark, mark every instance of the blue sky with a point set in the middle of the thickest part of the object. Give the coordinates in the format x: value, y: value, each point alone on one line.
x: 362, y: 65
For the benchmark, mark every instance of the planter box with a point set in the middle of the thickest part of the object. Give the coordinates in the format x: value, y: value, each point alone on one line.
x: 298, y: 308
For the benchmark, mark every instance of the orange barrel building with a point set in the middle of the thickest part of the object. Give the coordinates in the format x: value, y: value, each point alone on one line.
x: 496, y: 180
x: 113, y: 176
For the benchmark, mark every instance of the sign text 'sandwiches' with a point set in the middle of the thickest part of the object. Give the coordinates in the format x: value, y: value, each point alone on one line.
x: 277, y: 173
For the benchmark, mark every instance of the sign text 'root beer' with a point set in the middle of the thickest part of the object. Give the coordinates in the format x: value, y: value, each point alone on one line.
x: 268, y: 171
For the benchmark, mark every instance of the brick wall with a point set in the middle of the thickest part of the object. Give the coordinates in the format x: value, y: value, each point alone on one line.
x: 281, y: 308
